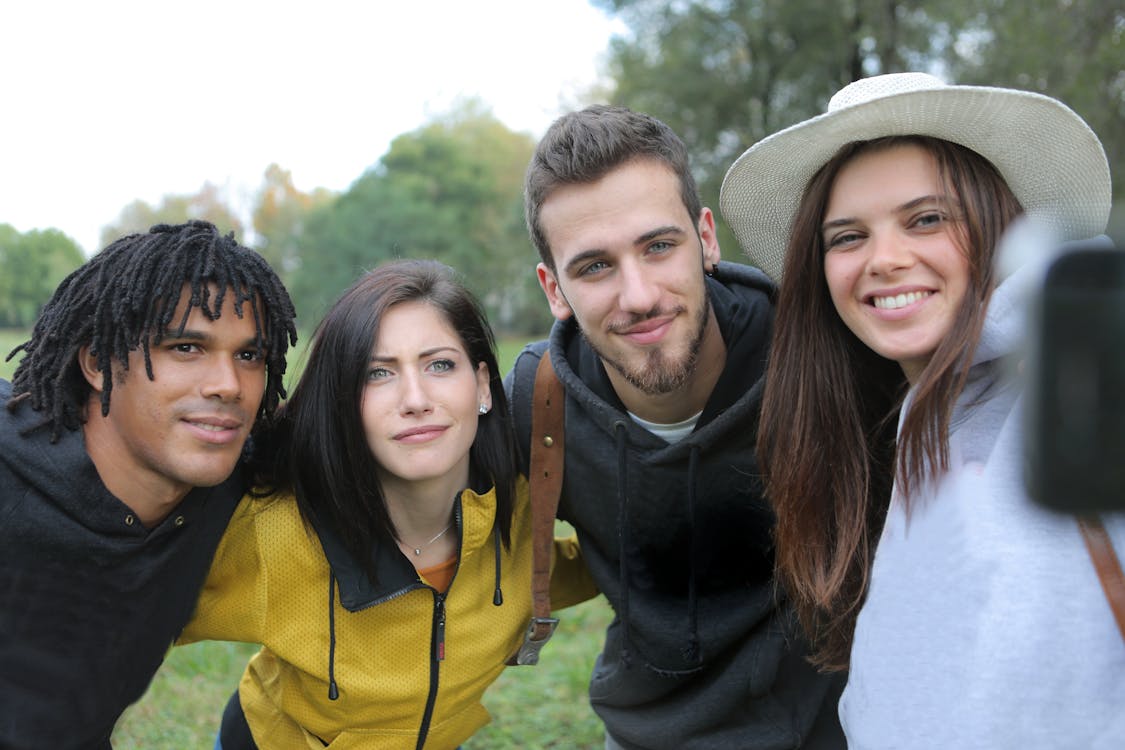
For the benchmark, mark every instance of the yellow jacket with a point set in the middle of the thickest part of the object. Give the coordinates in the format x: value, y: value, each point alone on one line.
x: 269, y: 584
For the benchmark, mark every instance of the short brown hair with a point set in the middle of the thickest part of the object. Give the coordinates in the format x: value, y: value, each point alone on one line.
x: 584, y: 146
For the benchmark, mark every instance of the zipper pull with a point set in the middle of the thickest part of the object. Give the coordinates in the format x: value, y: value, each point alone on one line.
x: 439, y: 629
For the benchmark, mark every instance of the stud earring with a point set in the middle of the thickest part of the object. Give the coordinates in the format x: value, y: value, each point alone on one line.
x: 482, y: 410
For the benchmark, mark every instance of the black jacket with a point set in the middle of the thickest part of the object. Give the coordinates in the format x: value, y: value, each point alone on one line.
x: 702, y: 654
x: 90, y: 600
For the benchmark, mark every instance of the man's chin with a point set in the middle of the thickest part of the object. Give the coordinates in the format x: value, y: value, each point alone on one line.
x: 209, y: 476
x: 657, y: 379
x: 647, y: 371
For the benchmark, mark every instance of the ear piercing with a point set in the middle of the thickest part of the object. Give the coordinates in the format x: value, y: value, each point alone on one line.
x: 482, y: 410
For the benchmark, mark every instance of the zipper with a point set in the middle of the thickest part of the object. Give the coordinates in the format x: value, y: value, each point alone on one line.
x: 437, y: 634
x: 437, y: 656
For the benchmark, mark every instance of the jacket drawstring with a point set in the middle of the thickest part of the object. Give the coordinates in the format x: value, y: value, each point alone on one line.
x: 497, y: 595
x: 692, y: 650
x: 620, y: 432
x: 333, y: 691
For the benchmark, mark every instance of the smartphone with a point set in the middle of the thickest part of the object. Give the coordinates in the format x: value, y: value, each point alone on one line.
x: 1075, y: 430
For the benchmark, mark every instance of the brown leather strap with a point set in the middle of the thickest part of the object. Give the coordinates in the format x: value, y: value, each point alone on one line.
x: 1100, y: 547
x: 548, y: 451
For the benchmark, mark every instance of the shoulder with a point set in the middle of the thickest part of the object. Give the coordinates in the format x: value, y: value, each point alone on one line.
x: 520, y: 381
x: 271, y: 532
x: 528, y: 359
x: 275, y: 517
x: 744, y: 281
x: 16, y: 418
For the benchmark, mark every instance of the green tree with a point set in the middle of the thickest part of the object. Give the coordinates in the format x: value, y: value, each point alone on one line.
x: 726, y: 73
x: 450, y: 190
x: 1073, y: 50
x: 31, y: 266
x: 208, y: 204
x: 279, y: 216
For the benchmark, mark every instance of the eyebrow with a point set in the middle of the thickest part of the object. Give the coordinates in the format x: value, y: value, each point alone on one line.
x: 421, y: 355
x: 649, y: 236
x: 189, y: 334
x: 846, y: 220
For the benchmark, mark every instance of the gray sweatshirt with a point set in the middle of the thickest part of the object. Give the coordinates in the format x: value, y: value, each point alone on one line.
x: 985, y: 625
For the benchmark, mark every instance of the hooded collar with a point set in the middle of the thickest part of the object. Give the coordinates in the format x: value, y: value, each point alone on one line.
x: 741, y: 298
x: 745, y: 322
x: 473, y: 517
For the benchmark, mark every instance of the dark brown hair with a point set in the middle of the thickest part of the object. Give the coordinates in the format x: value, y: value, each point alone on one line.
x: 584, y: 146
x: 827, y: 436
x: 320, y: 450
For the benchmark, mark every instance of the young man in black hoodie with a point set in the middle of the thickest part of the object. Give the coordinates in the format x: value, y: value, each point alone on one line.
x: 661, y: 349
x: 120, y: 441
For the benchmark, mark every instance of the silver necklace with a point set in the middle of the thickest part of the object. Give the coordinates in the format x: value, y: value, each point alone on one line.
x: 418, y: 549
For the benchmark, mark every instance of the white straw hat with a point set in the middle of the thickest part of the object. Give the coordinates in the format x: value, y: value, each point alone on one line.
x: 1051, y: 160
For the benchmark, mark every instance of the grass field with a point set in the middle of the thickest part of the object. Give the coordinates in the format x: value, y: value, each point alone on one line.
x: 543, y: 706
x: 10, y: 338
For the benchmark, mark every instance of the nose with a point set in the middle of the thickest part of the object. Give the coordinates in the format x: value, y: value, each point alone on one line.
x: 889, y: 252
x: 415, y: 398
x: 639, y: 293
x: 222, y: 380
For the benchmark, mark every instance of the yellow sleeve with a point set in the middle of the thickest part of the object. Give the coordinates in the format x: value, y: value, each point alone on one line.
x: 570, y: 581
x: 232, y: 605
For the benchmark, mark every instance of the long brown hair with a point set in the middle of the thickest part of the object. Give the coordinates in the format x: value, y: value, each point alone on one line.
x: 826, y: 441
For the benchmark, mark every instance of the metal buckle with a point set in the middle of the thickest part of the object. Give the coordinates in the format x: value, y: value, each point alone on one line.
x: 530, y: 648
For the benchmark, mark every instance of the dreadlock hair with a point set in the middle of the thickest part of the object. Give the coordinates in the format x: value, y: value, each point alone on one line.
x: 124, y: 298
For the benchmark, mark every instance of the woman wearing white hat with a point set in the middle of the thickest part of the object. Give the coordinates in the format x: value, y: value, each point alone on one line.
x: 979, y: 620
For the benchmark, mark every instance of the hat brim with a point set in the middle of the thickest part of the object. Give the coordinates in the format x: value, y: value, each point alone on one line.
x: 1050, y: 158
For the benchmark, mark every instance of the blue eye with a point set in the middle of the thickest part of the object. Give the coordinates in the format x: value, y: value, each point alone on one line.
x: 593, y: 268
x: 442, y: 365
x: 378, y: 373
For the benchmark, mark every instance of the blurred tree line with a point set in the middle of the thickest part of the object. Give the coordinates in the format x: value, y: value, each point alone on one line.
x: 450, y: 190
x: 726, y: 73
x: 31, y: 265
x: 722, y: 73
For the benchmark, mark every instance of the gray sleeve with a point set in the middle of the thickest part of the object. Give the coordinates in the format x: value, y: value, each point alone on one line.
x: 519, y: 385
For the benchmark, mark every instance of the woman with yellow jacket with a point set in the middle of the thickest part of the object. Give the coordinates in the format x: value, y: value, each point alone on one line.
x: 386, y: 565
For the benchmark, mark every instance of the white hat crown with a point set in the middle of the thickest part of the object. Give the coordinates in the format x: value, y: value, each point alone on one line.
x: 877, y: 87
x: 1053, y: 163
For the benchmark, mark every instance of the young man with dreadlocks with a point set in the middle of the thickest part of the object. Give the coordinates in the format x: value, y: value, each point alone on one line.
x: 120, y: 446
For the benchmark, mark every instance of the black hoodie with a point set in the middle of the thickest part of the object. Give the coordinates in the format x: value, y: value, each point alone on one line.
x: 90, y: 600
x: 703, y: 652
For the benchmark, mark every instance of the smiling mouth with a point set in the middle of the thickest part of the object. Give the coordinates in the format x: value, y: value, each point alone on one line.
x: 896, y: 301
x: 212, y: 426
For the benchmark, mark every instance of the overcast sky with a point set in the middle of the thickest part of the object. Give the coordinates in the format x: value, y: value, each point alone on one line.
x: 107, y: 102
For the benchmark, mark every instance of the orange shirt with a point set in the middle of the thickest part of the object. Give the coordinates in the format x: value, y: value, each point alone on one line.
x: 439, y: 576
